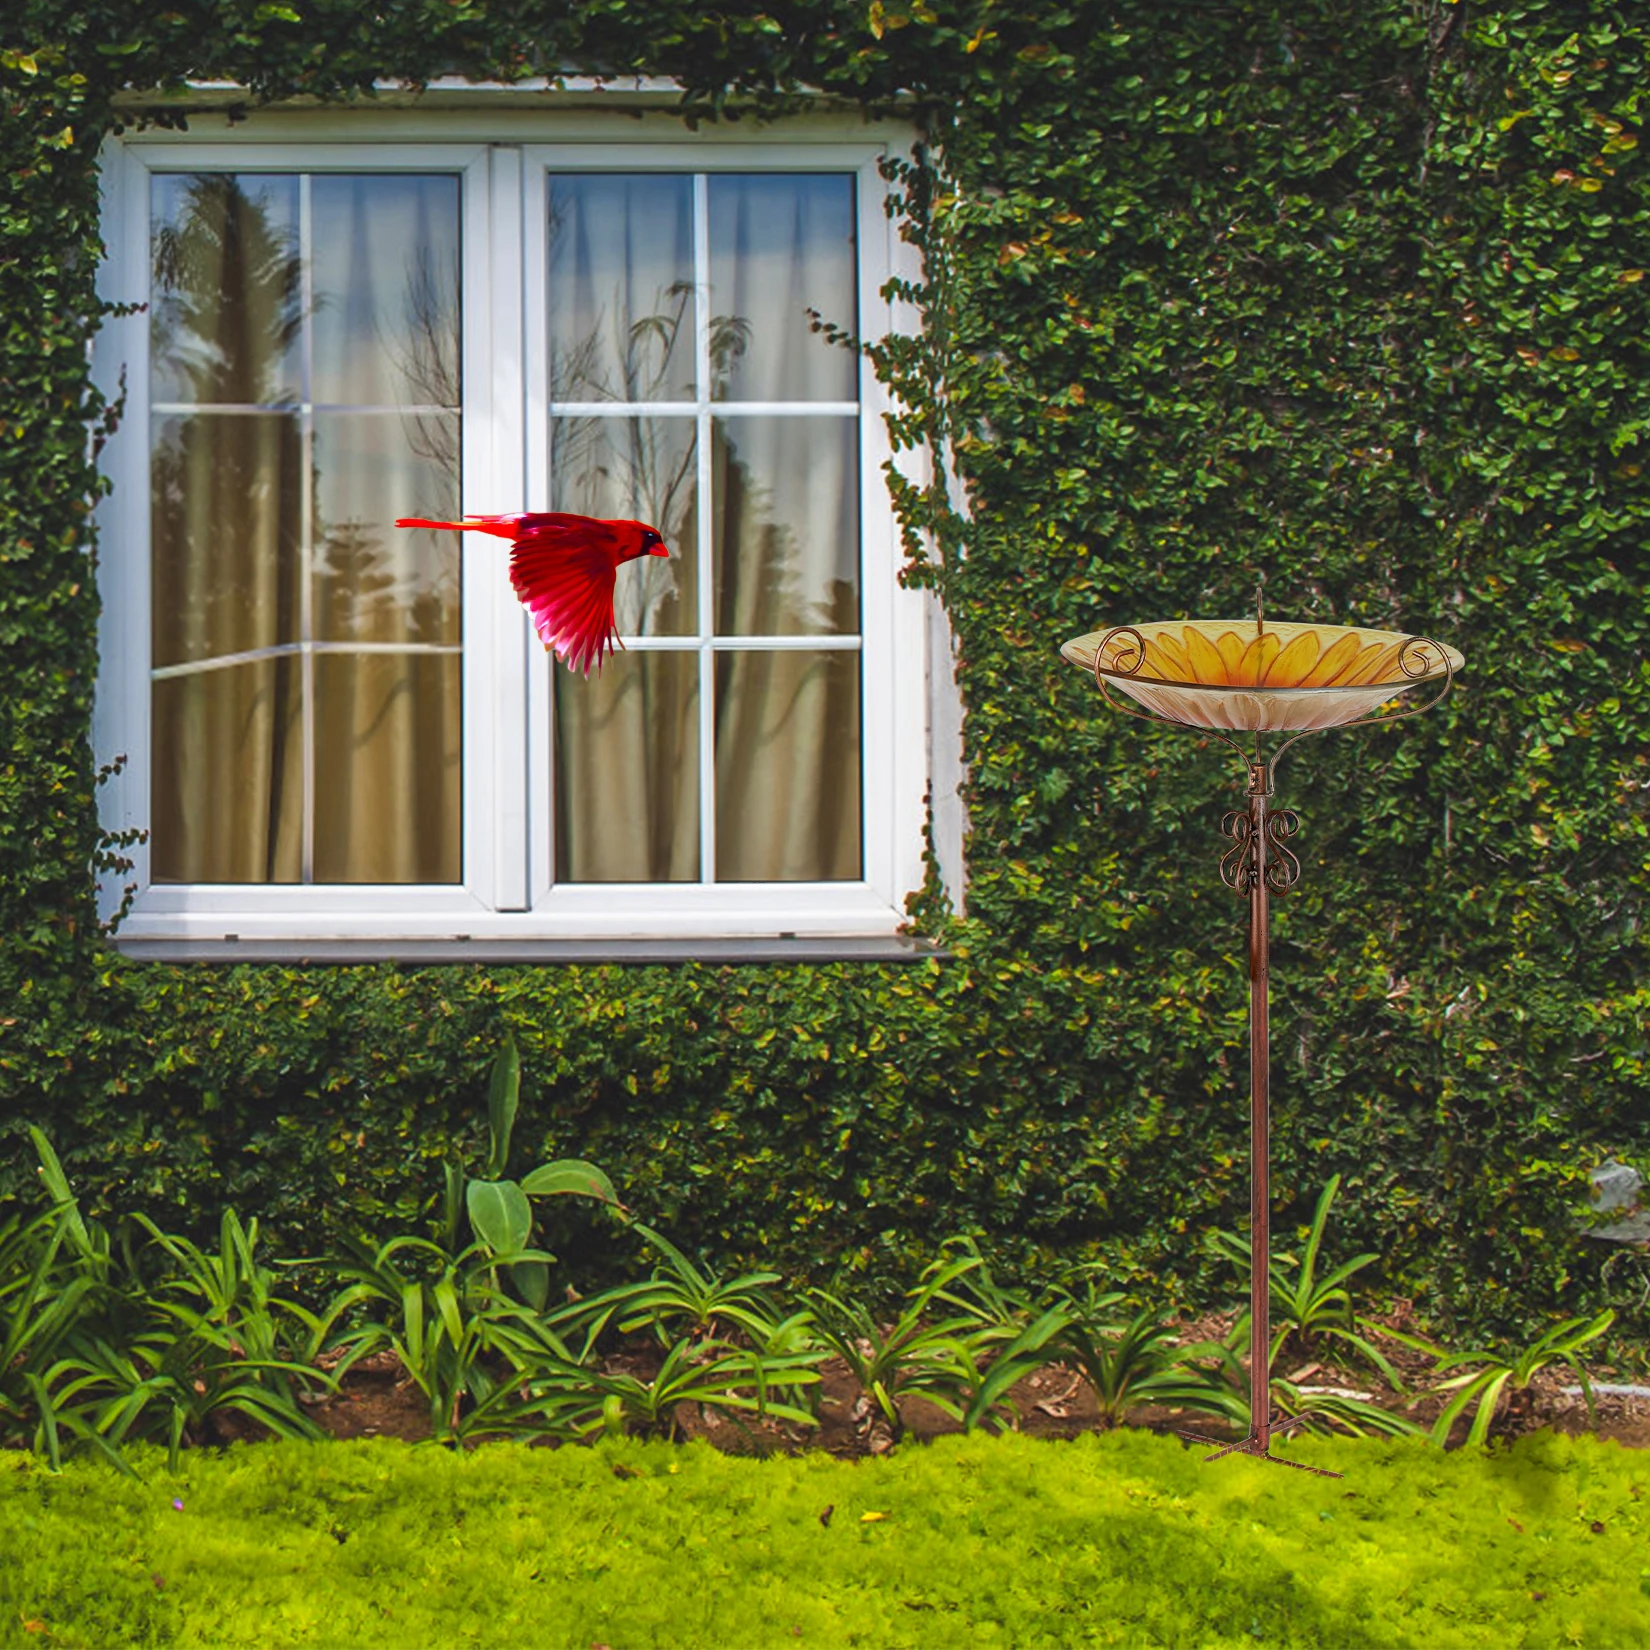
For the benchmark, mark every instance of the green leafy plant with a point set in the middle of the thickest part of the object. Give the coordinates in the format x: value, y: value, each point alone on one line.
x: 1481, y: 1387
x: 468, y: 1321
x: 210, y: 1343
x: 1303, y: 1305
x: 228, y: 1297
x: 1221, y: 1364
x: 498, y: 1211
x: 87, y: 1246
x: 463, y: 1340
x: 1010, y: 1335
x: 39, y: 1305
x: 1354, y: 1415
x: 1138, y: 1362
x: 681, y: 1298
x: 681, y: 1295
x: 117, y: 1342
x: 989, y: 1382
x: 736, y: 1381
x: 999, y: 1313
x: 911, y: 1358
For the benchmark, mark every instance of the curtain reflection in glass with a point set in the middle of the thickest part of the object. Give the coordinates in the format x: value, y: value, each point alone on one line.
x: 627, y: 771
x: 787, y: 767
x: 375, y: 582
x: 637, y: 469
x: 226, y: 556
x: 387, y: 767
x: 236, y: 568
x: 226, y: 775
x: 786, y: 502
x: 226, y: 294
x: 621, y: 288
x: 384, y: 272
x: 780, y: 245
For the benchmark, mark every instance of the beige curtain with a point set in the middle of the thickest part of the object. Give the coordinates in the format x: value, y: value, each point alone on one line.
x: 227, y: 782
x: 627, y: 793
x: 787, y: 767
x: 312, y: 759
x: 784, y: 529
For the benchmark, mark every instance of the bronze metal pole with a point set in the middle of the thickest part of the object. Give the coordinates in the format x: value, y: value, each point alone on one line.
x: 1259, y: 862
x: 1260, y: 1140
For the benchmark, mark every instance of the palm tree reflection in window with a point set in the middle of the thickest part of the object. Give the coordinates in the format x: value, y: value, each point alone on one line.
x: 645, y: 466
x: 636, y: 465
x: 227, y: 313
x: 228, y: 320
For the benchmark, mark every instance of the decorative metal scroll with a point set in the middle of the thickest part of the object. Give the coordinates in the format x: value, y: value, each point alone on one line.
x: 1127, y: 662
x: 1237, y: 867
x: 1283, y: 869
x: 1416, y: 664
x: 1240, y: 867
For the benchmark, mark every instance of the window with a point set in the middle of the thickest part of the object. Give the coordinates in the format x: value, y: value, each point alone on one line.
x: 338, y: 732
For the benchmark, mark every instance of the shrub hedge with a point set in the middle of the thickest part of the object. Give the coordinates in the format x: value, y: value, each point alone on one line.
x: 1354, y: 300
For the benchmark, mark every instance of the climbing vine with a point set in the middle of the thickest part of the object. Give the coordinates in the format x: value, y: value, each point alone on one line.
x: 1351, y: 301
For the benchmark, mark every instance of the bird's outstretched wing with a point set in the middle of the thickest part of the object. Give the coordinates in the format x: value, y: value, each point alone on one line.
x: 564, y: 569
x: 564, y: 575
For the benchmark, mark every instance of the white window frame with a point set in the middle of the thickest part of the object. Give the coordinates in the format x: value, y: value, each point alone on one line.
x: 507, y: 899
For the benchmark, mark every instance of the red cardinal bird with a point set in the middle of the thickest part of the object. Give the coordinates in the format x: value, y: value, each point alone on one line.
x: 563, y: 569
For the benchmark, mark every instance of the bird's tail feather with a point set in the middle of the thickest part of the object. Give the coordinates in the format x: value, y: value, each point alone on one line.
x: 500, y: 526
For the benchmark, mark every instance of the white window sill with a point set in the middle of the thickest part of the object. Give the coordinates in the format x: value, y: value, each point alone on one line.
x: 778, y: 948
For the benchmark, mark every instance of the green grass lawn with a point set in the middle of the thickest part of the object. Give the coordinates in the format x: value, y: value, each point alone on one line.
x: 1123, y: 1539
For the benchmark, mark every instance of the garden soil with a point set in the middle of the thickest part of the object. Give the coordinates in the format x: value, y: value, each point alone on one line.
x: 375, y: 1400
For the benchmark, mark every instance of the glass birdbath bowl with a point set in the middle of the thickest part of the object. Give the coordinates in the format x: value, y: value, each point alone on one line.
x: 1251, y: 676
x: 1236, y: 677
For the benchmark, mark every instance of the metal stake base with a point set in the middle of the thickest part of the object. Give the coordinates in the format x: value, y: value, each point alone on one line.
x: 1256, y: 1445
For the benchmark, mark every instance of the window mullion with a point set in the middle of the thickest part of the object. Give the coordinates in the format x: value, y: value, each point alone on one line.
x: 306, y: 522
x: 507, y: 409
x: 492, y: 479
x: 706, y: 529
x: 538, y: 800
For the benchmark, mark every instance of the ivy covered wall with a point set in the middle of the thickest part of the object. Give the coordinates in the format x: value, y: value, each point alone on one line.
x: 1351, y: 298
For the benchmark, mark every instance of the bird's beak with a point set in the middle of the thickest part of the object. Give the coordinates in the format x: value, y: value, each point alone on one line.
x: 659, y: 550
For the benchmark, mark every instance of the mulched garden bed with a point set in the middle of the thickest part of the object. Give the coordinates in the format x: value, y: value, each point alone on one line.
x: 375, y: 1400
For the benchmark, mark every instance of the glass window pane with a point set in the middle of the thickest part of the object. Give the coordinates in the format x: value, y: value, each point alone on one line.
x: 786, y: 539
x: 314, y: 765
x: 780, y: 245
x: 787, y: 767
x: 627, y: 770
x: 375, y: 581
x: 387, y: 767
x: 637, y: 469
x: 226, y: 778
x: 385, y: 277
x: 621, y: 288
x: 226, y: 302
x: 224, y: 529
